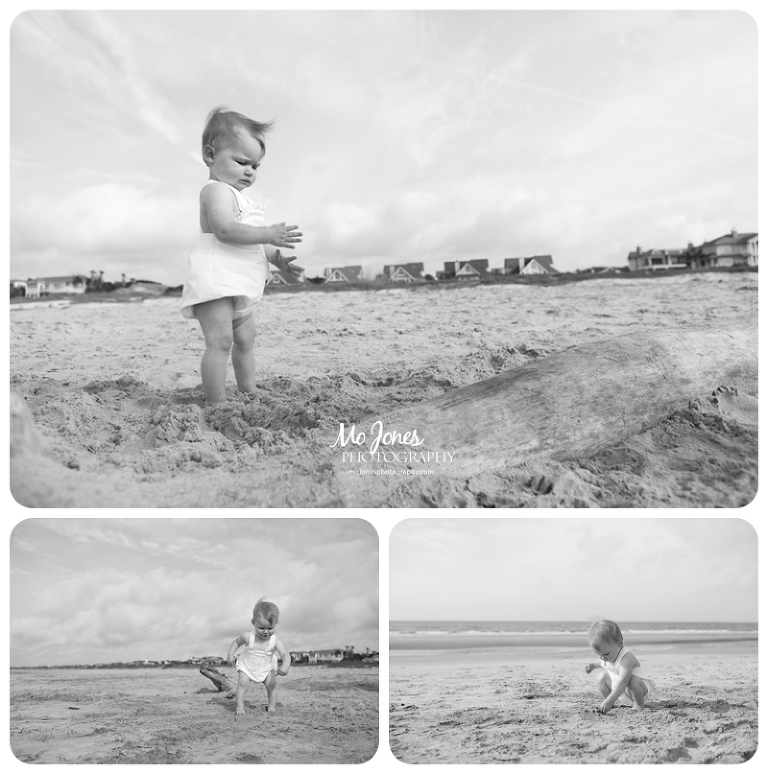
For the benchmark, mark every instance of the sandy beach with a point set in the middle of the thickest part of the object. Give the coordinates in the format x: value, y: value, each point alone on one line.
x: 107, y: 400
x: 536, y: 705
x: 325, y: 715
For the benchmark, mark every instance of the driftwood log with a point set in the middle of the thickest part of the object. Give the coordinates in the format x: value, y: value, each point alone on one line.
x: 568, y: 405
x: 217, y: 678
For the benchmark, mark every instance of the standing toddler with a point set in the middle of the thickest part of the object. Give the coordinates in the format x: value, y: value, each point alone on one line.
x: 229, y: 268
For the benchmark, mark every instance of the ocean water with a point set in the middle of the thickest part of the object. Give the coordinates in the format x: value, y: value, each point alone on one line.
x: 471, y: 634
x: 432, y: 628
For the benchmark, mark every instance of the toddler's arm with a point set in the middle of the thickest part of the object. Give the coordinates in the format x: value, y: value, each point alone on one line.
x: 592, y: 665
x: 220, y: 210
x: 285, y: 658
x: 241, y: 640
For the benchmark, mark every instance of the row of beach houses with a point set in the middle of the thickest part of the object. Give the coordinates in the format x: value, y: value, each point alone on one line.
x: 474, y: 269
x: 471, y: 269
x: 329, y: 656
x: 68, y: 284
x: 730, y: 250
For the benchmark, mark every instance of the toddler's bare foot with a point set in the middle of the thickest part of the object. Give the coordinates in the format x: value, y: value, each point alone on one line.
x: 240, y: 713
x: 638, y: 706
x: 271, y: 707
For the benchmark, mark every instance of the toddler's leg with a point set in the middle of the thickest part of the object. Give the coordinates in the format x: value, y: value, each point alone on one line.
x: 638, y: 690
x: 271, y: 684
x: 216, y: 321
x: 243, y: 359
x: 603, y: 682
x: 243, y: 683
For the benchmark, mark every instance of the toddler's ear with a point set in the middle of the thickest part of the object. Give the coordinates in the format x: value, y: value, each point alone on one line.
x: 208, y: 154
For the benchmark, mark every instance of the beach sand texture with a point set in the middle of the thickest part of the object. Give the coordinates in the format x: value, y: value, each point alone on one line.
x: 524, y: 705
x: 110, y: 410
x: 324, y: 715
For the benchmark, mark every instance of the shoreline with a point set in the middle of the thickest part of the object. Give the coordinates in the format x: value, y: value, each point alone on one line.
x: 555, y: 641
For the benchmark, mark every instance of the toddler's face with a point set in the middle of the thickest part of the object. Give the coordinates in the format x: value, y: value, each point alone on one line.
x: 236, y: 164
x: 264, y: 629
x: 608, y: 650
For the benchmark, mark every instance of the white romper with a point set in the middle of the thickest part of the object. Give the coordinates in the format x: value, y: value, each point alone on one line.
x: 219, y: 270
x: 612, y: 668
x: 258, y: 659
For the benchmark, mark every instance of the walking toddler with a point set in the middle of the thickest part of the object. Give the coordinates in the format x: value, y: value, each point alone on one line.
x: 258, y: 662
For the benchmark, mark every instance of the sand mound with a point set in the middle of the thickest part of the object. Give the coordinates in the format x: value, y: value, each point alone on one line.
x: 24, y: 435
x: 701, y: 455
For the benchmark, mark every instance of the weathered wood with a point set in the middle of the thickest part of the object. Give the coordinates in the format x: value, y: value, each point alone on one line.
x: 217, y: 678
x: 570, y: 404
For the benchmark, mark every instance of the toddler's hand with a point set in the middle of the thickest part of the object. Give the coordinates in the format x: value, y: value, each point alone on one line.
x: 284, y: 236
x: 283, y: 263
x: 282, y: 672
x: 590, y: 667
x: 604, y: 707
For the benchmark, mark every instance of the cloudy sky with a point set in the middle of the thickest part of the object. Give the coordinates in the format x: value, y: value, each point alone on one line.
x: 102, y: 590
x: 574, y: 569
x: 399, y: 135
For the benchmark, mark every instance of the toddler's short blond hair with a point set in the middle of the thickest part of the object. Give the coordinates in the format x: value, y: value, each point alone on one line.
x: 603, y: 630
x: 222, y: 126
x: 267, y: 610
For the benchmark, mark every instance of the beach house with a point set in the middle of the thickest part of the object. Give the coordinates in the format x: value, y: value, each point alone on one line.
x: 732, y: 249
x: 473, y: 269
x: 19, y: 288
x: 344, y: 274
x: 534, y: 264
x: 404, y: 272
x: 285, y: 278
x: 655, y: 260
x: 321, y: 656
x: 333, y: 656
x: 45, y: 286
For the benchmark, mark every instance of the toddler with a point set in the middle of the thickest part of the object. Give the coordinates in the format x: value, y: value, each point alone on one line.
x: 620, y: 679
x: 229, y: 268
x: 258, y: 662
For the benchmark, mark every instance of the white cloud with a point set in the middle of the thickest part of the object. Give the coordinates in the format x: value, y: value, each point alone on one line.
x: 154, y: 109
x: 123, y: 589
x: 104, y: 226
x: 347, y: 223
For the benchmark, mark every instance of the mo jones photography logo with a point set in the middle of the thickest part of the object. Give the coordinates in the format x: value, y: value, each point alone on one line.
x: 381, y: 437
